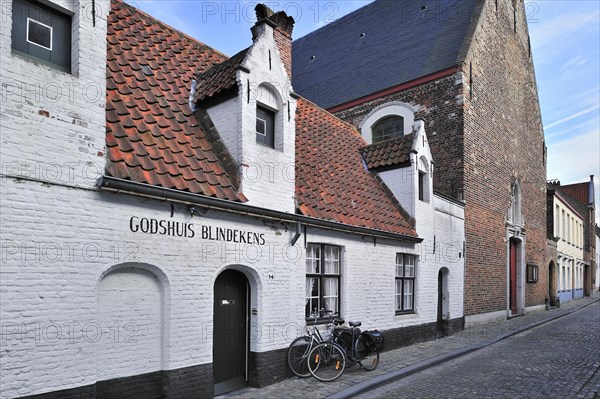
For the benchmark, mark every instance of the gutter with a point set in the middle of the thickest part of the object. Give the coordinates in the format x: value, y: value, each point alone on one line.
x: 116, y: 185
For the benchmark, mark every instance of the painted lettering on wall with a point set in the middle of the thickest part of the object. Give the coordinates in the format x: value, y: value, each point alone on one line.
x: 188, y: 230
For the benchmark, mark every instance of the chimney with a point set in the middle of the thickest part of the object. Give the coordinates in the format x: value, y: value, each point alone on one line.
x: 282, y: 31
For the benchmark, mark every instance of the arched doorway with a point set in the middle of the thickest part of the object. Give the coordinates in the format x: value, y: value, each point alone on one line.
x: 443, y: 303
x: 230, y: 331
x: 552, y: 284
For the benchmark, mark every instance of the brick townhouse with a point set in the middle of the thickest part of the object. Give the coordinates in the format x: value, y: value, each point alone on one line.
x: 466, y: 68
x: 171, y: 215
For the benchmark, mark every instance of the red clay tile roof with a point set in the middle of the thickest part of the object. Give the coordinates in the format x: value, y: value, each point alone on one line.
x: 152, y: 135
x: 393, y: 152
x: 219, y: 78
x: 331, y: 181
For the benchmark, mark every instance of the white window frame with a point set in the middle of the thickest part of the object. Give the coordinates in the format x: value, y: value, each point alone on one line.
x: 44, y: 25
x: 265, y: 125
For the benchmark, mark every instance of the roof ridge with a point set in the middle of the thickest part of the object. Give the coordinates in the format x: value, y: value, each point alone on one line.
x: 165, y: 25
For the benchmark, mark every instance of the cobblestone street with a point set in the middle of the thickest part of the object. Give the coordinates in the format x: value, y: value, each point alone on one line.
x: 557, y: 359
x: 560, y: 359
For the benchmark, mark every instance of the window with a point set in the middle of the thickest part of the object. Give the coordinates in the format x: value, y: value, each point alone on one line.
x: 265, y: 126
x: 405, y: 283
x: 388, y: 128
x: 43, y: 33
x: 532, y: 273
x: 557, y: 221
x: 322, y: 278
x: 421, y: 185
x: 423, y: 181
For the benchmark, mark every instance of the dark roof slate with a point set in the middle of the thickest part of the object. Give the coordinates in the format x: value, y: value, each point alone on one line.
x: 152, y: 135
x: 393, y: 152
x: 400, y: 43
x: 339, y: 188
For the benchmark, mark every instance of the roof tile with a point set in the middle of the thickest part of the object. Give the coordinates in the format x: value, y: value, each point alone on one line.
x: 152, y: 136
x: 331, y: 182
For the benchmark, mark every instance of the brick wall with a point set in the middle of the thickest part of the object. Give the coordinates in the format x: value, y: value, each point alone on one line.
x: 439, y: 104
x: 503, y: 140
x: 482, y: 136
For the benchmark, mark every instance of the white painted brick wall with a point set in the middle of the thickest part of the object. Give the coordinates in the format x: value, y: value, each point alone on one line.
x: 58, y: 242
x: 53, y: 123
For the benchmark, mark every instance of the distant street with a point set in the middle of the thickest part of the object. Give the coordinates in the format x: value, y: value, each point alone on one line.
x: 560, y: 359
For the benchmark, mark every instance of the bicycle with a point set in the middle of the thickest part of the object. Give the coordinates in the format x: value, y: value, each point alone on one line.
x: 297, y: 353
x: 328, y: 360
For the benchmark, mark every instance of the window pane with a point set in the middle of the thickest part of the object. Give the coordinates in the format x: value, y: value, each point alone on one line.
x: 387, y: 128
x: 398, y: 294
x: 399, y: 265
x: 332, y: 260
x: 312, y: 259
x: 409, y: 266
x: 330, y: 294
x: 39, y: 34
x: 312, y: 295
x: 408, y: 294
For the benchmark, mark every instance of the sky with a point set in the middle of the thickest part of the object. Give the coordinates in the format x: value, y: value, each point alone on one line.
x: 565, y: 39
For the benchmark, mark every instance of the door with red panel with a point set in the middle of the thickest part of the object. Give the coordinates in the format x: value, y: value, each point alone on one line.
x: 513, y: 276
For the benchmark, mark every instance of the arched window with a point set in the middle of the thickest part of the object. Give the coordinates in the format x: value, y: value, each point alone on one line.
x: 269, y: 121
x: 388, y: 127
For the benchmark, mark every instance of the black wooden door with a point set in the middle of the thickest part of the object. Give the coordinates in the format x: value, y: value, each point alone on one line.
x: 230, y: 338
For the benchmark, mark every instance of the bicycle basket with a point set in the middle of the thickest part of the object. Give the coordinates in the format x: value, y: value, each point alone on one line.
x: 374, y: 340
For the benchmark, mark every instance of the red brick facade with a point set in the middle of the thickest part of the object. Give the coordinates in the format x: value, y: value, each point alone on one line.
x: 485, y: 131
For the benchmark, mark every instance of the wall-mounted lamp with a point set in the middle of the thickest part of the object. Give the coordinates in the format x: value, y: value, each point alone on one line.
x: 297, y: 234
x: 197, y: 211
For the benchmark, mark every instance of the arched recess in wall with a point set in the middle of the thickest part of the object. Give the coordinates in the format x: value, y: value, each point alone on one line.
x: 270, y: 116
x: 424, y: 179
x: 131, y: 329
x: 380, y: 113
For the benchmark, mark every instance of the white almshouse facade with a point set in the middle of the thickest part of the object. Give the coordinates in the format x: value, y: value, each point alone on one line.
x: 568, y: 228
x: 170, y: 215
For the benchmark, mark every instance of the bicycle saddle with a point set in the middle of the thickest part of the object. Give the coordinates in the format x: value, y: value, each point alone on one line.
x: 354, y: 323
x: 339, y: 321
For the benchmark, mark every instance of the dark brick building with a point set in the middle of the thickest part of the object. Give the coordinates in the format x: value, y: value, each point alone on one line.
x: 465, y: 67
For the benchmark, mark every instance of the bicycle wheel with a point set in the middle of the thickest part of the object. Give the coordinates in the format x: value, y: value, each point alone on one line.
x: 326, y: 362
x: 368, y: 359
x: 297, y: 355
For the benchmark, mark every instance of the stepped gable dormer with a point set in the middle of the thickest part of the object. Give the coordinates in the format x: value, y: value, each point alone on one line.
x: 248, y: 106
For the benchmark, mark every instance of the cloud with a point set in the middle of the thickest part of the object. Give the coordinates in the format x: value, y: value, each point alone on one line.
x: 574, y: 160
x: 572, y: 116
x: 572, y: 65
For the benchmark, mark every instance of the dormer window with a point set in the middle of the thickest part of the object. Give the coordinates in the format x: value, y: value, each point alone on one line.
x: 265, y: 126
x: 388, y: 121
x: 42, y: 33
x: 387, y: 128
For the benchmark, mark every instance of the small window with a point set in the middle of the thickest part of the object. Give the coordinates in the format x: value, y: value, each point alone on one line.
x: 421, y: 185
x: 405, y: 283
x: 265, y: 126
x: 322, y: 278
x: 388, y: 128
x: 532, y: 273
x: 43, y: 33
